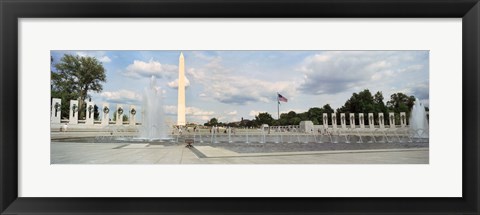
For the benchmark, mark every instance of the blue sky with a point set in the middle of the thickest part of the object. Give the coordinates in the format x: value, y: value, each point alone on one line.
x: 230, y: 85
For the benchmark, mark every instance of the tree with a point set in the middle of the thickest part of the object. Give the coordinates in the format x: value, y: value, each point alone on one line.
x: 287, y: 118
x: 212, y: 122
x: 364, y: 102
x: 380, y: 106
x: 397, y: 100
x: 400, y: 102
x: 264, y: 118
x: 249, y: 123
x: 327, y: 109
x: 75, y: 77
x: 315, y: 115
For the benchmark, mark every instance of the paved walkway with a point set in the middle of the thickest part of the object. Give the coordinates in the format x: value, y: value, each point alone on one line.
x: 115, y: 153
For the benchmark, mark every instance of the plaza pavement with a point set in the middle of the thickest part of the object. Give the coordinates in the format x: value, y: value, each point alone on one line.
x: 117, y: 153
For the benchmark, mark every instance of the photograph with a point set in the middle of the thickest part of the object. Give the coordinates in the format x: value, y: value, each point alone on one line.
x: 239, y: 107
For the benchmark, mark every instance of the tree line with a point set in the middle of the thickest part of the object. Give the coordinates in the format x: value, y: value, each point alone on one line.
x: 361, y: 102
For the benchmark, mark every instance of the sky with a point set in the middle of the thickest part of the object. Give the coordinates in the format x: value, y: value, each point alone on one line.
x: 229, y: 85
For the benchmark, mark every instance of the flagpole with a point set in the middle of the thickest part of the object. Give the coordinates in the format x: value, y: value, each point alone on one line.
x: 278, y: 107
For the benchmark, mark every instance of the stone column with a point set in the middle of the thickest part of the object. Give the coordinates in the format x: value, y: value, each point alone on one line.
x: 133, y: 113
x: 371, y: 120
x: 361, y: 120
x: 334, y: 120
x: 89, y: 116
x: 105, y: 114
x: 391, y: 119
x: 56, y: 112
x: 381, y: 120
x: 119, y: 116
x: 325, y: 120
x: 343, y: 120
x: 352, y: 120
x: 403, y: 119
x: 73, y: 116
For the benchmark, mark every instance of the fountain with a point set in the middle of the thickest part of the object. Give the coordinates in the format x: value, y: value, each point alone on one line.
x: 154, y: 126
x: 418, y: 120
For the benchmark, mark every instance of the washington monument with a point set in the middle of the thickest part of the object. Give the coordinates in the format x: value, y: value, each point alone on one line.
x: 181, y: 91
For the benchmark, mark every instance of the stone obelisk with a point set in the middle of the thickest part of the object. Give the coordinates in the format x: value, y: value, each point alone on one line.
x: 181, y: 91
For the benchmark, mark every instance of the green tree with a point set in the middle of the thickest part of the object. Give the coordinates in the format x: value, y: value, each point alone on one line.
x: 250, y: 123
x: 397, y: 100
x: 264, y: 118
x: 75, y: 77
x: 380, y: 106
x: 315, y: 115
x: 327, y: 109
x: 400, y: 102
x: 283, y: 119
x: 212, y: 122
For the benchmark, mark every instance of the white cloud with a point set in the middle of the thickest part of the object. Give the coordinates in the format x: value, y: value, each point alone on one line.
x: 223, y: 85
x: 170, y: 109
x: 151, y: 68
x: 189, y: 111
x: 174, y: 84
x: 105, y: 59
x: 121, y: 96
x: 345, y: 71
x: 193, y: 111
x: 232, y: 113
x: 254, y: 113
x: 419, y: 89
x: 99, y: 55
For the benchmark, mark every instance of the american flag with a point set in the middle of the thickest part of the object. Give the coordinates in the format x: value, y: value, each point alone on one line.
x: 281, y: 98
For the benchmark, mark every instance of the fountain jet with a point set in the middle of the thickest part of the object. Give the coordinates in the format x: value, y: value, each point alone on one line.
x: 418, y: 119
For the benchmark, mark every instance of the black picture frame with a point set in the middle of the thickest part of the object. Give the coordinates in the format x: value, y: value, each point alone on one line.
x: 12, y: 10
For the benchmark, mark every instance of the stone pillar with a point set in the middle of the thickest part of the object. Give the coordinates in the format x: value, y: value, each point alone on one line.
x: 325, y: 120
x: 133, y: 113
x: 371, y: 120
x: 352, y: 120
x: 361, y: 120
x: 119, y: 116
x: 306, y: 126
x: 73, y: 116
x: 381, y: 120
x: 403, y: 119
x: 343, y: 120
x: 90, y: 113
x: 391, y: 119
x: 105, y: 114
x: 56, y: 112
x: 334, y: 120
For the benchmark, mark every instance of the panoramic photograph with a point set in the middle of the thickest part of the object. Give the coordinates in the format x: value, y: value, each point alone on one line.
x: 239, y: 107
